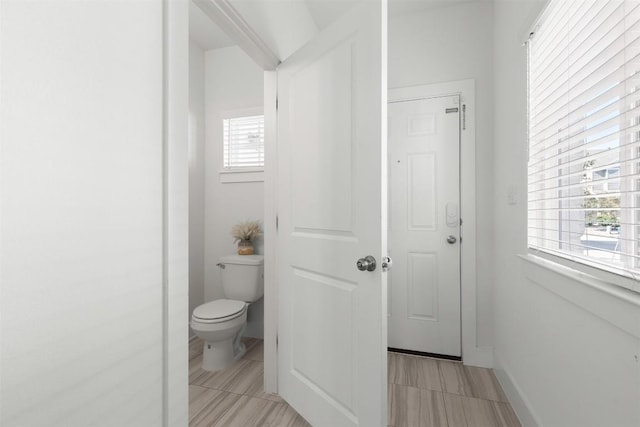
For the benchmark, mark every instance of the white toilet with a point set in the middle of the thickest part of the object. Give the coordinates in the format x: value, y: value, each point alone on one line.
x: 220, y: 323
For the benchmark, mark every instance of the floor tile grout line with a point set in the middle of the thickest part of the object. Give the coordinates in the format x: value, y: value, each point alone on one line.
x: 477, y: 398
x: 280, y: 403
x: 221, y: 415
x: 446, y: 413
x: 239, y: 394
x: 441, y: 378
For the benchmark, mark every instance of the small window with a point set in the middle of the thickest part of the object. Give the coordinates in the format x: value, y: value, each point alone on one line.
x: 244, y: 143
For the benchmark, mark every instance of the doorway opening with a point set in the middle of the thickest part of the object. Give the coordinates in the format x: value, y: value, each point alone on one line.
x: 461, y: 96
x: 271, y: 324
x: 225, y: 182
x: 424, y: 226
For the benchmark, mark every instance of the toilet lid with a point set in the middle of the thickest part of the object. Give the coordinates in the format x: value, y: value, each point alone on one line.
x: 220, y: 310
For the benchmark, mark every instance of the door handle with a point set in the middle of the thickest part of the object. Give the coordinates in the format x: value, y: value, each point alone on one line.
x: 451, y: 240
x: 367, y: 263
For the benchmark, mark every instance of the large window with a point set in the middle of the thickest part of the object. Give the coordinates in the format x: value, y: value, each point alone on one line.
x: 584, y: 134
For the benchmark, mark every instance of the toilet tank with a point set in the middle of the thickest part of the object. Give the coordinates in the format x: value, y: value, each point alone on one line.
x: 242, y: 277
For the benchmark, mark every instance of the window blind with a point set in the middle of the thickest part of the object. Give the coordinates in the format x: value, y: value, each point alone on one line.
x: 243, y: 142
x: 584, y: 134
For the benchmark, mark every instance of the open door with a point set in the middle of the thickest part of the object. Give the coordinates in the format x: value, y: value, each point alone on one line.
x: 332, y: 194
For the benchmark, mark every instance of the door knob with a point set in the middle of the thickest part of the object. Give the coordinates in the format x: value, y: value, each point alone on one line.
x: 451, y: 240
x: 367, y: 263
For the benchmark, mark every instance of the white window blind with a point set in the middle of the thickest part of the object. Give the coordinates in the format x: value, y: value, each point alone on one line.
x: 244, y: 142
x: 584, y: 134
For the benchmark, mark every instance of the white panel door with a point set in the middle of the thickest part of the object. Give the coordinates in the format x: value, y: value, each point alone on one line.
x: 332, y: 211
x: 424, y: 193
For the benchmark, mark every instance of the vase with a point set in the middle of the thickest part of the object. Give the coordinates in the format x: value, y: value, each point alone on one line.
x: 245, y: 247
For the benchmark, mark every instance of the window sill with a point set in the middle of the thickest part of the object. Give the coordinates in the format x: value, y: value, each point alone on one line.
x: 244, y: 175
x: 598, y: 297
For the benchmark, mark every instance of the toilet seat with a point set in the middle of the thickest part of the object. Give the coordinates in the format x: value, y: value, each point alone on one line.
x: 220, y: 310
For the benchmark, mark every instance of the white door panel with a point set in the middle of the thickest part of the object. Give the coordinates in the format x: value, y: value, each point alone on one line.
x: 331, y: 209
x: 424, y: 307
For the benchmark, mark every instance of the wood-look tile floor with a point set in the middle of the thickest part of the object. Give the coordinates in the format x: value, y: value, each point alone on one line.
x: 234, y: 397
x: 423, y: 392
x: 426, y: 392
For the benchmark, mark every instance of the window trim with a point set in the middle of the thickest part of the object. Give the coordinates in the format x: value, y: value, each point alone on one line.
x: 581, y: 268
x: 241, y: 175
x: 238, y: 174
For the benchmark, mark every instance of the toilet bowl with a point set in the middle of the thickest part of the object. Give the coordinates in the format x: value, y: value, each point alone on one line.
x: 221, y: 323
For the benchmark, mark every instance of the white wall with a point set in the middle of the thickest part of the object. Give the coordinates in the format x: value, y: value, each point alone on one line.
x: 566, y: 353
x: 197, y: 141
x: 89, y: 260
x: 448, y: 44
x: 233, y: 82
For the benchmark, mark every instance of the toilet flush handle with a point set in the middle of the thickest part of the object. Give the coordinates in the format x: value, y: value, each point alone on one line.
x: 221, y: 265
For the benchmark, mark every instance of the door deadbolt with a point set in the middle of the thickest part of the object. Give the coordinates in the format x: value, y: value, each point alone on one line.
x: 387, y: 263
x: 367, y: 263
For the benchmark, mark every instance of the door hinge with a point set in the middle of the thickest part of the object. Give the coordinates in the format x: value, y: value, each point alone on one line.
x: 277, y: 222
x: 276, y: 103
x: 464, y: 116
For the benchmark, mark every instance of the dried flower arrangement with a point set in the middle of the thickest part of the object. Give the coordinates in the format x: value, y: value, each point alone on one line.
x: 247, y: 230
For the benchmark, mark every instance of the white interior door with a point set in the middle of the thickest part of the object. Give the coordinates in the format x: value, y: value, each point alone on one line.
x: 332, y: 211
x: 424, y: 226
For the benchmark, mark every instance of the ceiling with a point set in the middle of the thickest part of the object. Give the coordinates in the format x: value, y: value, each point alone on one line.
x: 286, y: 16
x: 203, y: 32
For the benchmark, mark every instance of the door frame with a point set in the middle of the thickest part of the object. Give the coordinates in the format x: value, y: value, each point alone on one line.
x: 270, y: 229
x: 472, y: 354
x: 175, y: 213
x: 176, y: 30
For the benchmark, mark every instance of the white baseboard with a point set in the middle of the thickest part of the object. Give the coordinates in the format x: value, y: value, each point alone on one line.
x: 514, y: 393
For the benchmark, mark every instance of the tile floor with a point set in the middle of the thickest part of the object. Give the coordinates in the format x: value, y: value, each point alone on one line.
x: 234, y: 397
x: 423, y: 392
